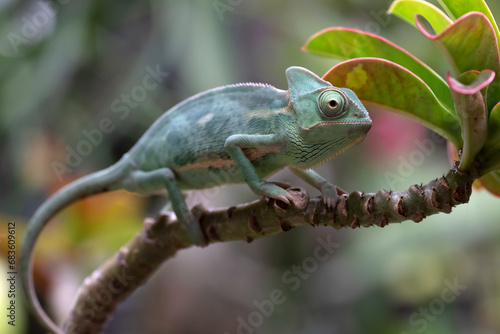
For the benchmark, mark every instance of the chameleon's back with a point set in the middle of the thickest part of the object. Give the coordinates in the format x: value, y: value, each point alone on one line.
x: 193, y: 133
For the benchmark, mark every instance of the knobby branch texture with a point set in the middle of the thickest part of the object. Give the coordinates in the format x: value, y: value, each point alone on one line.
x: 162, y: 237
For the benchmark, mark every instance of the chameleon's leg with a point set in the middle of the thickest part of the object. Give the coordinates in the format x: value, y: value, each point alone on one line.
x: 168, y: 203
x: 234, y: 146
x: 329, y: 191
x: 150, y: 180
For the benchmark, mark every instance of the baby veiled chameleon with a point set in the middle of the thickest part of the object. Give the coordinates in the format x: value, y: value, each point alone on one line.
x: 232, y: 134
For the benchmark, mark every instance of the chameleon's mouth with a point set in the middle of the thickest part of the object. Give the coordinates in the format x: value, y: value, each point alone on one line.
x: 369, y: 124
x: 342, y: 150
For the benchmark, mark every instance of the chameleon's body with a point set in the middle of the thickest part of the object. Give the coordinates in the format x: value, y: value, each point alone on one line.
x: 232, y: 134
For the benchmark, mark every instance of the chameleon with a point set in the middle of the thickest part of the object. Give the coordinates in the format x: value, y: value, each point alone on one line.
x: 239, y: 133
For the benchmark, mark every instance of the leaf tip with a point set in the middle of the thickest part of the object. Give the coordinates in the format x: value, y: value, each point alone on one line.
x: 424, y: 26
x: 483, y: 79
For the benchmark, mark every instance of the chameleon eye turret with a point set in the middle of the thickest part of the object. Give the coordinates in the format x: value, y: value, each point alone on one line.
x: 332, y: 103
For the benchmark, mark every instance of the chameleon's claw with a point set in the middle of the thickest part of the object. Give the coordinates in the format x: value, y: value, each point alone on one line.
x: 283, y: 198
x: 294, y: 197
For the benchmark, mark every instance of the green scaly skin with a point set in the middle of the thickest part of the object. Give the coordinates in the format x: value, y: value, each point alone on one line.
x: 232, y: 134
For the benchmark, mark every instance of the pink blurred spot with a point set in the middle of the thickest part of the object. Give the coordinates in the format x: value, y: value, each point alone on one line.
x: 391, y: 135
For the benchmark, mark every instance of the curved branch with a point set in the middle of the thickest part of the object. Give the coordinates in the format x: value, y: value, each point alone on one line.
x: 162, y: 237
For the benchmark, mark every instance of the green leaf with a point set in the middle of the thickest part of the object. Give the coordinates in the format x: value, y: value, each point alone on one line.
x: 469, y: 44
x: 457, y: 8
x: 406, y: 10
x: 347, y: 43
x: 491, y: 152
x: 471, y: 111
x: 392, y: 87
x: 494, y: 126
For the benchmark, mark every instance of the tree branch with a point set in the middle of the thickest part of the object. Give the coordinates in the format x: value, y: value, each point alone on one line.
x: 162, y: 237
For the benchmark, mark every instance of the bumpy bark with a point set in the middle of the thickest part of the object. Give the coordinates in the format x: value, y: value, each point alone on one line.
x: 162, y: 237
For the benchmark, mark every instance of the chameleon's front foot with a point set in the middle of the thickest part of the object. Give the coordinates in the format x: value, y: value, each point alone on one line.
x: 330, y: 194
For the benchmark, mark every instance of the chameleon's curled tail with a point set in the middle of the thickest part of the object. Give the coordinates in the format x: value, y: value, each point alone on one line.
x: 95, y: 183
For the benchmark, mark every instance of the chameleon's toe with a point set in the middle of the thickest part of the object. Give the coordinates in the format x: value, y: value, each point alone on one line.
x: 293, y: 197
x: 329, y: 202
x: 283, y: 198
x: 197, y: 236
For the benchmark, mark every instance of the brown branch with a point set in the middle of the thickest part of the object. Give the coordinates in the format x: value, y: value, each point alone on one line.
x: 162, y: 237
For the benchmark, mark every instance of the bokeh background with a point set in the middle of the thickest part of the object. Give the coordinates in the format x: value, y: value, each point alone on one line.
x: 68, y: 67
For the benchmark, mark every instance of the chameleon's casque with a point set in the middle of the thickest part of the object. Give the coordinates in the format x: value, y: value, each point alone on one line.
x: 232, y: 134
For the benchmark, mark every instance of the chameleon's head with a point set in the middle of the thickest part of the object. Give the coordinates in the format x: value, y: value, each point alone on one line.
x: 333, y: 117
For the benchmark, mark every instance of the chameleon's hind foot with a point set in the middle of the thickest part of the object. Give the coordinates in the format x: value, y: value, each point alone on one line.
x: 191, y: 223
x: 197, y: 235
x: 185, y: 217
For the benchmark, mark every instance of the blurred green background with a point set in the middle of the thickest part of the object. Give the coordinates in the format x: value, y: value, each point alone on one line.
x: 73, y: 99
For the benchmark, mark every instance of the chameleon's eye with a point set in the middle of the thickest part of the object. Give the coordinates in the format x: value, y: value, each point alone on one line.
x: 332, y: 103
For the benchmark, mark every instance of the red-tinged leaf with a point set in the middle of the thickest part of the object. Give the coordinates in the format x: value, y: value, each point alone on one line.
x: 406, y: 10
x: 471, y: 110
x: 452, y: 153
x: 471, y: 82
x: 469, y: 44
x: 346, y: 43
x: 457, y: 8
x: 392, y: 87
x: 491, y: 182
x: 467, y: 83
